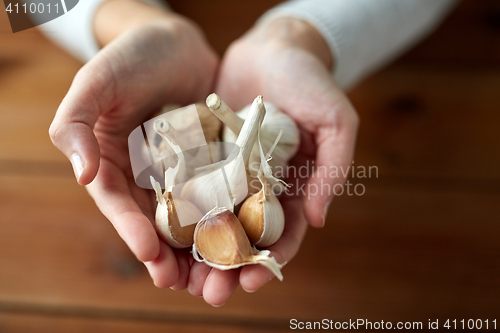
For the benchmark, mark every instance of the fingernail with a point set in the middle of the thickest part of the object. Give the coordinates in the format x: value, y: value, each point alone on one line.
x: 325, y: 212
x: 77, y: 163
x: 218, y: 306
x: 249, y: 291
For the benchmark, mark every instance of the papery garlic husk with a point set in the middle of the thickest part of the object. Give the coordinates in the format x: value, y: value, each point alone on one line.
x: 261, y: 215
x: 167, y: 221
x: 167, y: 133
x: 274, y: 121
x: 210, y: 124
x: 221, y: 241
x: 222, y: 187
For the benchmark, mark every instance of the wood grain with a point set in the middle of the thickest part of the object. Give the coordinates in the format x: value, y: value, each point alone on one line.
x: 430, y: 123
x: 421, y: 243
x: 393, y: 246
x: 21, y: 323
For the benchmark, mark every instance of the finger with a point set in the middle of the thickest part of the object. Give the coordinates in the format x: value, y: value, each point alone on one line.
x: 253, y: 277
x: 220, y: 285
x: 163, y: 269
x: 112, y: 195
x: 71, y: 130
x: 183, y: 264
x: 334, y: 155
x: 197, y: 277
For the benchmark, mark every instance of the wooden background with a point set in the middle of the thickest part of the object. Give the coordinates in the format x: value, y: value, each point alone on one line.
x: 422, y: 243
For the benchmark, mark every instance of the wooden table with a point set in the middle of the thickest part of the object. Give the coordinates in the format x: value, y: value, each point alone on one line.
x: 422, y: 242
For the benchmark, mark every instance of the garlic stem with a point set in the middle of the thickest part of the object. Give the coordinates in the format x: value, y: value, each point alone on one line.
x: 209, y: 190
x: 224, y: 113
x: 250, y: 128
x: 169, y: 133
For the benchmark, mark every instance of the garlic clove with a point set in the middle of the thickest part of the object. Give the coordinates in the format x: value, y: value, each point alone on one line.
x: 221, y: 241
x: 228, y: 186
x: 185, y: 124
x: 274, y: 121
x: 251, y: 216
x: 167, y: 221
x: 262, y: 215
x: 210, y: 124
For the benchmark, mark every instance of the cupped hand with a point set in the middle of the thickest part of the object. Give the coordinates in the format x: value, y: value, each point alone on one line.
x: 162, y: 62
x: 288, y: 62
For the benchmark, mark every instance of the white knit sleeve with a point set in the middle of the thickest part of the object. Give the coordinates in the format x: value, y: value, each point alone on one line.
x: 73, y: 31
x: 365, y: 34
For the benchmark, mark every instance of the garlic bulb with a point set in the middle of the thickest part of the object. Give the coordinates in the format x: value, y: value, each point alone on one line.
x: 185, y: 125
x: 274, y: 121
x: 210, y: 125
x: 169, y: 134
x: 220, y: 239
x: 261, y: 215
x: 167, y: 221
x: 227, y: 186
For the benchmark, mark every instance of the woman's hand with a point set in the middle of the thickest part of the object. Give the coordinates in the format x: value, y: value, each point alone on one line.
x: 288, y: 62
x: 161, y: 60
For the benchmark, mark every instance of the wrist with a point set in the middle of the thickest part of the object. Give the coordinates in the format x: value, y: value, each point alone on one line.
x: 292, y: 32
x: 114, y: 17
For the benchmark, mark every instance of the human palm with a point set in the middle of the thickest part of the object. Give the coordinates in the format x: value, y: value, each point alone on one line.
x: 168, y: 61
x: 298, y: 82
x: 163, y: 62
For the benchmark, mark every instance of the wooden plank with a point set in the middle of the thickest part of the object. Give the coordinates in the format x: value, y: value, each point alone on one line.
x: 14, y: 322
x: 416, y: 121
x: 35, y: 76
x: 430, y: 123
x: 421, y: 243
x: 394, y: 253
x: 433, y: 123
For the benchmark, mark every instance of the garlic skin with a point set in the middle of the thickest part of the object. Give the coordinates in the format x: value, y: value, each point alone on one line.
x: 262, y: 215
x: 212, y: 189
x: 160, y: 148
x: 220, y: 239
x: 210, y: 125
x: 274, y: 121
x: 167, y: 218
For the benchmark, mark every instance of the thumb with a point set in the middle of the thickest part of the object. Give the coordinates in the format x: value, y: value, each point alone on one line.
x: 71, y: 130
x: 335, y: 150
